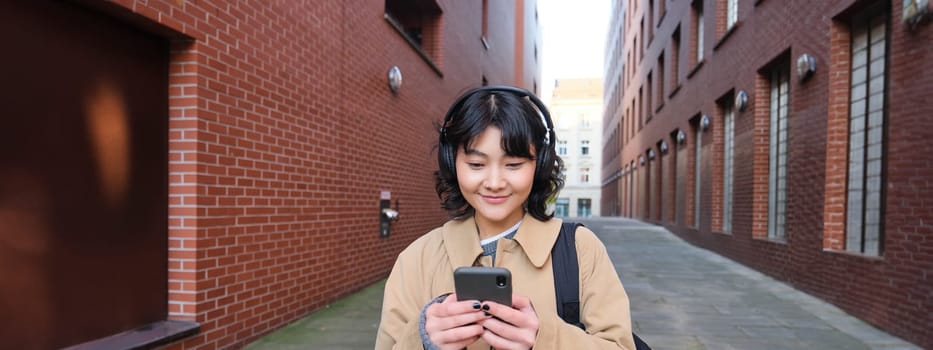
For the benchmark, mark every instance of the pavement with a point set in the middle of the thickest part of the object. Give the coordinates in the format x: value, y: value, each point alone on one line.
x: 682, y: 297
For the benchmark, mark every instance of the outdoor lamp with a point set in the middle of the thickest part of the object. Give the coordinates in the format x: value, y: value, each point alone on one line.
x: 395, y: 79
x: 681, y: 137
x: 741, y: 101
x: 806, y: 66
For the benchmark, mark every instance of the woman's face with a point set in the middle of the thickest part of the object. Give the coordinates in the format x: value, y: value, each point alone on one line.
x: 495, y: 184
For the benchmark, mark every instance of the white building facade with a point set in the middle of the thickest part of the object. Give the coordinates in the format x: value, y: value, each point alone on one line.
x: 576, y: 109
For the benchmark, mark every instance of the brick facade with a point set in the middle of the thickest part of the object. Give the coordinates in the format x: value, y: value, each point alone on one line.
x: 894, y: 290
x: 282, y: 134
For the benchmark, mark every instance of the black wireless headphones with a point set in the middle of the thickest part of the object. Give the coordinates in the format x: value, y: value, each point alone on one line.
x: 447, y: 153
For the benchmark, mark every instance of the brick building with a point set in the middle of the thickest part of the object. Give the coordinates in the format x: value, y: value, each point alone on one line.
x: 246, y: 146
x: 791, y: 136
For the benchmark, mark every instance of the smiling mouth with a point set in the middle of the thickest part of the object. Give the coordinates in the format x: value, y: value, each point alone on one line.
x: 495, y: 199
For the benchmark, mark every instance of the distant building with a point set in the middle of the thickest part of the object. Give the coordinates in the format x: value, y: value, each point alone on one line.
x: 221, y: 164
x: 576, y: 108
x: 791, y: 136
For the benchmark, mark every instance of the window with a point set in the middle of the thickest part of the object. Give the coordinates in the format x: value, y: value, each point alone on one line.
x: 866, y: 133
x: 562, y: 147
x: 635, y: 57
x: 562, y: 207
x: 632, y: 118
x: 650, y: 29
x: 419, y: 22
x: 660, y: 97
x: 641, y: 110
x: 561, y: 121
x: 697, y: 36
x: 583, y: 207
x: 584, y: 121
x: 633, y: 190
x: 728, y: 126
x: 777, y: 159
x: 623, y: 80
x: 649, y: 110
x: 644, y: 42
x: 732, y: 13
x: 486, y: 24
x: 698, y: 174
x: 680, y: 179
x: 647, y: 181
x: 584, y: 175
x: 585, y: 147
x: 675, y: 58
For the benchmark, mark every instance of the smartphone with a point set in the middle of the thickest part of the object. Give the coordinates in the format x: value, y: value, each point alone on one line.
x: 484, y: 284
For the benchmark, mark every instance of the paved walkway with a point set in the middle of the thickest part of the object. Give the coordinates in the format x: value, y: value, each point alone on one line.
x: 682, y: 297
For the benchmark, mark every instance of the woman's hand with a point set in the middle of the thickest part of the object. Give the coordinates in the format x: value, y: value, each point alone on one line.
x: 454, y: 324
x: 513, y: 327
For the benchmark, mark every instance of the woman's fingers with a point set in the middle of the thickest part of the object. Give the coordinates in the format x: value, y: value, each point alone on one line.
x: 457, y: 338
x: 452, y: 324
x: 521, y: 314
x: 513, y: 327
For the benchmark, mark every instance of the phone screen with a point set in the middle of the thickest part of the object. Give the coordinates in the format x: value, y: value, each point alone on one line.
x: 484, y: 284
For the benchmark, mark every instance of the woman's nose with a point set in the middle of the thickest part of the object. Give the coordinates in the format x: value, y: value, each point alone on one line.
x: 495, y: 180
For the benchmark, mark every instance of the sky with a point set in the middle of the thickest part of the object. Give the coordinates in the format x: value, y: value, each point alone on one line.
x: 573, y: 35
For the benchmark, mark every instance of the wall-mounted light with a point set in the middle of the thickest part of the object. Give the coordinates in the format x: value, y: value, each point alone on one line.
x: 705, y: 122
x: 663, y: 147
x: 806, y: 66
x: 395, y: 79
x: 651, y: 154
x: 626, y: 170
x: 741, y: 101
x: 641, y: 159
x: 681, y: 137
x: 915, y: 11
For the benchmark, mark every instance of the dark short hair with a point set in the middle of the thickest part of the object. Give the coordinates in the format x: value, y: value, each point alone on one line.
x: 522, y: 129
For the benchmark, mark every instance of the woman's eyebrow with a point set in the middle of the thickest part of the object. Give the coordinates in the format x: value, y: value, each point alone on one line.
x: 474, y: 152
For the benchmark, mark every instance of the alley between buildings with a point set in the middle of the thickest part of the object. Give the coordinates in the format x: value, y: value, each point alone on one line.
x: 683, y: 297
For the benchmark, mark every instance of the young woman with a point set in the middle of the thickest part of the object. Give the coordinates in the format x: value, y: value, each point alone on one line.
x: 497, y: 169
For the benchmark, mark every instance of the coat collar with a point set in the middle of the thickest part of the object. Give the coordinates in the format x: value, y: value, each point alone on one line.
x: 535, y: 237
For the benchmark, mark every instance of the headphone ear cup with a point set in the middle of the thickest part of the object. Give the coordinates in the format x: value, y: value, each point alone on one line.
x: 445, y: 158
x: 450, y: 163
x: 544, y: 159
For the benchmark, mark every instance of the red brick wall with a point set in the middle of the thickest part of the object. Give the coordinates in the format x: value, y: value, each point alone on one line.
x: 893, y: 291
x: 283, y: 132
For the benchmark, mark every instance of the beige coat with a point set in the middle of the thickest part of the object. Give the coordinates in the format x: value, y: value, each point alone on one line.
x: 425, y: 270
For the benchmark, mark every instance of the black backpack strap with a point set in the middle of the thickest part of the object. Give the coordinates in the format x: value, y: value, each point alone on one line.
x: 566, y: 274
x: 567, y: 278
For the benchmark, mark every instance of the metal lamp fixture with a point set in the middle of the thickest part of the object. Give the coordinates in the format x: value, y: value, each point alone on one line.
x: 650, y: 154
x: 806, y: 66
x: 681, y: 137
x: 705, y: 122
x: 741, y: 101
x: 641, y: 159
x: 395, y: 79
x: 915, y: 11
x: 663, y: 147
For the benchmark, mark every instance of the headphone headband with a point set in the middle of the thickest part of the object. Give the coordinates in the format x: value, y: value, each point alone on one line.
x: 542, y: 110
